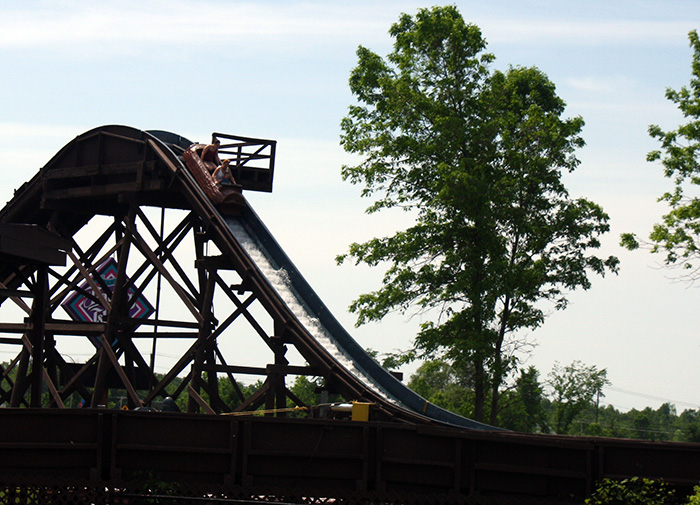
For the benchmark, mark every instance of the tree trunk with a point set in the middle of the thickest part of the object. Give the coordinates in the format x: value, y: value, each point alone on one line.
x: 479, y: 390
x: 497, y: 371
x: 496, y: 384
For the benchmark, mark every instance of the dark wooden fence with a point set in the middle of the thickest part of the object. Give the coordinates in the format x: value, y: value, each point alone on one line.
x: 300, y: 460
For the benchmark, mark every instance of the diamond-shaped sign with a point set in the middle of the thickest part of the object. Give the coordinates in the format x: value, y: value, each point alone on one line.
x: 82, y: 308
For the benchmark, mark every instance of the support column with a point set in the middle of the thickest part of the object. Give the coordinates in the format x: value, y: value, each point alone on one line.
x: 205, y: 330
x: 278, y: 393
x: 119, y: 307
x: 20, y: 386
x: 37, y: 335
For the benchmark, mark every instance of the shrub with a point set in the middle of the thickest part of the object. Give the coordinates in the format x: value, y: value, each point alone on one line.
x: 633, y: 491
x: 694, y: 499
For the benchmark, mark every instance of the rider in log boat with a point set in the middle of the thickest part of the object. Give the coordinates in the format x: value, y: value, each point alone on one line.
x: 210, y: 155
x: 222, y: 174
x: 227, y: 197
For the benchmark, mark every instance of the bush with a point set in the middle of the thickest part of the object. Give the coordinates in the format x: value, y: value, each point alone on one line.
x: 694, y: 499
x: 633, y: 491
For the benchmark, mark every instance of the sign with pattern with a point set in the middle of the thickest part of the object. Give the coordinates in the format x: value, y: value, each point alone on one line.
x: 85, y: 308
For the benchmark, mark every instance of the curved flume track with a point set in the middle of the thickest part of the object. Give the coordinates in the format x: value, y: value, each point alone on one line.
x: 323, y: 327
x: 119, y: 171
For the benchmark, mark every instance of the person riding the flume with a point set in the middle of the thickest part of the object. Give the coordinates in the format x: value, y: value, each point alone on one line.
x: 210, y: 155
x: 222, y: 174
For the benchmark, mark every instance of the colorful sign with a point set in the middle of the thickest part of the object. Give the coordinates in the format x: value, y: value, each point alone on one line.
x: 83, y: 308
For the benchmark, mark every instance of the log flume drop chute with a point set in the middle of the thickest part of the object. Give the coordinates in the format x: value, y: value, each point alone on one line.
x: 122, y: 174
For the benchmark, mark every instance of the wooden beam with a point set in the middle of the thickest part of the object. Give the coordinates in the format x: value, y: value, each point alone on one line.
x: 254, y: 400
x: 165, y: 249
x: 115, y: 189
x: 99, y: 170
x: 253, y: 370
x: 120, y: 372
x: 200, y: 401
x: 146, y: 251
x: 18, y: 301
x: 159, y: 335
x: 169, y: 323
x: 45, y: 375
x: 77, y: 328
x: 19, y: 293
x: 189, y: 354
x: 88, y: 278
x: 163, y: 156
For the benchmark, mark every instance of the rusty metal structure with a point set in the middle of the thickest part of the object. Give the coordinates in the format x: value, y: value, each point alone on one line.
x: 119, y: 275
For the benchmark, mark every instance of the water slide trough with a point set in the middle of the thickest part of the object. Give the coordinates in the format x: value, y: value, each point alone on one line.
x: 118, y: 171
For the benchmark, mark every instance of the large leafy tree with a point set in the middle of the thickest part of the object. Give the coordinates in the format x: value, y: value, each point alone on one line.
x: 524, y: 407
x: 574, y: 388
x: 477, y: 157
x: 678, y: 235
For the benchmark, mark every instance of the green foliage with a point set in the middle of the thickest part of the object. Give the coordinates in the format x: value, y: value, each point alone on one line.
x: 677, y: 235
x: 306, y: 390
x: 688, y: 426
x: 694, y: 499
x: 647, y: 424
x: 523, y: 408
x: 574, y: 388
x: 527, y: 407
x: 155, y: 490
x: 392, y: 360
x: 477, y: 157
x: 439, y: 383
x: 633, y: 491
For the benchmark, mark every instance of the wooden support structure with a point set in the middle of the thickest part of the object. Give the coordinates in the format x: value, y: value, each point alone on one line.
x: 118, y: 174
x: 134, y: 257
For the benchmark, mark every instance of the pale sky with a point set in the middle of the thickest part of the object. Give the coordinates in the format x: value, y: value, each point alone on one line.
x: 279, y: 70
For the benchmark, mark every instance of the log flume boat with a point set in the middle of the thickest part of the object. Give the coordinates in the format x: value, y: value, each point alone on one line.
x: 227, y: 197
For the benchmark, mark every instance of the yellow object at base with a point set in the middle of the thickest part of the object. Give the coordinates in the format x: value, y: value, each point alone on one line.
x: 360, y: 411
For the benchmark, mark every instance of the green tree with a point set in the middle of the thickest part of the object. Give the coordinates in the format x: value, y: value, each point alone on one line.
x: 306, y: 390
x: 440, y: 383
x: 477, y: 157
x: 574, y: 387
x: 677, y: 235
x: 648, y: 424
x: 523, y: 408
x: 688, y: 426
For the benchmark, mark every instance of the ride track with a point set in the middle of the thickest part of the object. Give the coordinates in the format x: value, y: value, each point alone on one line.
x: 81, y: 238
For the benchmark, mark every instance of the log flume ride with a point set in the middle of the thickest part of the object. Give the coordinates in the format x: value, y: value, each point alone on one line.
x: 227, y: 198
x: 122, y: 246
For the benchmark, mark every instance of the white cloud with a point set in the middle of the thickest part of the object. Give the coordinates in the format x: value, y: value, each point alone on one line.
x: 38, y: 133
x: 133, y: 23
x: 587, y: 32
x: 129, y: 24
x: 600, y: 84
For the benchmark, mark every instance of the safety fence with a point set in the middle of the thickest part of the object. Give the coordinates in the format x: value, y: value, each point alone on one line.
x: 104, y: 456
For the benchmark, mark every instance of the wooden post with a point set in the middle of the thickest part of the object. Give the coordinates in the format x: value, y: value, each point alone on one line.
x: 36, y: 336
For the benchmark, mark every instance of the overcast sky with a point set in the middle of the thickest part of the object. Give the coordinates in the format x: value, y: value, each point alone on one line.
x: 279, y: 70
